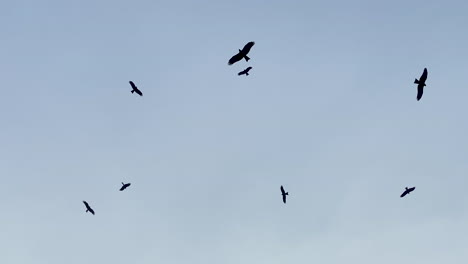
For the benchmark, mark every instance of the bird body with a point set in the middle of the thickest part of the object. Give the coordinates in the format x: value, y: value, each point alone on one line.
x: 246, y: 71
x: 135, y: 89
x: 88, y: 208
x: 242, y: 54
x: 124, y: 186
x: 421, y: 83
x: 283, y: 193
x: 407, y: 191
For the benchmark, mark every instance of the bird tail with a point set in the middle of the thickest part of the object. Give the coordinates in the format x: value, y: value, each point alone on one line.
x: 416, y: 81
x: 87, y: 210
x: 247, y: 73
x: 133, y: 91
x: 286, y: 193
x: 246, y: 58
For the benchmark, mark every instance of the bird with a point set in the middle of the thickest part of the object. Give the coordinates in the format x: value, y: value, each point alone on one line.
x: 407, y: 191
x: 88, y: 208
x: 283, y: 193
x: 135, y: 89
x: 421, y: 83
x: 246, y: 71
x: 242, y: 54
x: 124, y: 186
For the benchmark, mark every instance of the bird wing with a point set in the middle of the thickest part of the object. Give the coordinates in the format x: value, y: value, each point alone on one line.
x: 420, y: 92
x: 249, y: 68
x: 247, y: 47
x: 133, y: 85
x: 235, y: 58
x: 282, y: 190
x: 404, y: 193
x: 284, y: 198
x: 86, y: 204
x: 423, y: 76
x: 240, y: 73
x: 91, y: 210
x: 412, y: 189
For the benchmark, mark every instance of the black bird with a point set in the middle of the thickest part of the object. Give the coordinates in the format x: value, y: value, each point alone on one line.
x: 246, y: 71
x: 135, y: 89
x: 283, y: 193
x: 421, y: 83
x: 242, y: 54
x: 407, y: 191
x: 88, y: 208
x: 124, y: 186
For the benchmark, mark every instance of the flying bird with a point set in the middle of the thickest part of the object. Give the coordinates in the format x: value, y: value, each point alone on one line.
x: 124, y: 186
x: 283, y: 193
x: 407, y: 191
x: 135, y: 89
x: 421, y: 83
x: 246, y: 71
x: 242, y: 54
x: 88, y: 208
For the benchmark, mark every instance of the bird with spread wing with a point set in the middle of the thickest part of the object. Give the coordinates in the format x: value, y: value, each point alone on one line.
x: 407, y: 191
x: 245, y: 72
x: 242, y: 54
x: 283, y: 193
x: 88, y: 208
x: 421, y: 83
x: 135, y: 89
x: 124, y: 186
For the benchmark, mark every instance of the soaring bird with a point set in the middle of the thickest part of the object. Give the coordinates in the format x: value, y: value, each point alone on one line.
x: 421, y: 83
x: 88, y: 208
x: 124, y: 186
x: 242, y: 54
x: 283, y: 193
x: 246, y: 71
x: 135, y: 89
x: 407, y: 191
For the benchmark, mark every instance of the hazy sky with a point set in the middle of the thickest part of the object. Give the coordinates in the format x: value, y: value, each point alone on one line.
x: 329, y: 111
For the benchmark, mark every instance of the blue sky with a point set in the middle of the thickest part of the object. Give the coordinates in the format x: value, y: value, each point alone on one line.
x: 329, y: 111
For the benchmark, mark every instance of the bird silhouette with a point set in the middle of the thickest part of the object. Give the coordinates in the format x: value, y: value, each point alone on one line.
x: 124, y: 186
x: 421, y: 83
x: 283, y: 193
x: 407, y: 191
x: 88, y: 208
x: 135, y: 89
x: 242, y: 54
x: 246, y: 71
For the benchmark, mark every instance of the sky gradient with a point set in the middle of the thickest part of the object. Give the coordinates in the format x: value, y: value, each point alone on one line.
x: 329, y: 111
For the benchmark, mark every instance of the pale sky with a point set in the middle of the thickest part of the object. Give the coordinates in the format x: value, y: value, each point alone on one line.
x: 329, y: 111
